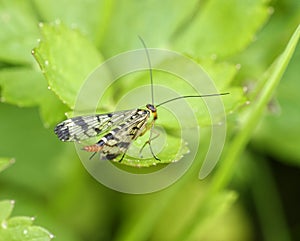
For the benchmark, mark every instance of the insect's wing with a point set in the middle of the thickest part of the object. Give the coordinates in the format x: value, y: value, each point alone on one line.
x: 83, y: 127
x: 118, y: 140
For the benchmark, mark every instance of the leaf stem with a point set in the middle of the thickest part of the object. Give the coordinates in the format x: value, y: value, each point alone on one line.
x: 238, y: 144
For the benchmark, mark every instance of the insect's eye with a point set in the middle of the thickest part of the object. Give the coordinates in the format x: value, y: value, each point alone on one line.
x: 152, y: 108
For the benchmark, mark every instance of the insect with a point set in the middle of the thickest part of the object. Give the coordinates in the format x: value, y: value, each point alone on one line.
x: 117, y: 129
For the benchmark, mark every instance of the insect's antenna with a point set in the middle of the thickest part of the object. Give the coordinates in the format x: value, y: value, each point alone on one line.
x: 190, y: 96
x: 150, y: 68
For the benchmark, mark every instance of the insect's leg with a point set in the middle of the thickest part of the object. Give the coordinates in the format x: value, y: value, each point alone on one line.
x: 151, y: 138
x: 92, y: 155
x: 152, y: 130
x: 148, y: 142
x: 122, y: 157
x: 155, y: 157
x: 148, y: 127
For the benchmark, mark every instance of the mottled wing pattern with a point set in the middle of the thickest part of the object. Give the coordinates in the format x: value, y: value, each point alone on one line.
x: 118, y: 140
x: 83, y: 127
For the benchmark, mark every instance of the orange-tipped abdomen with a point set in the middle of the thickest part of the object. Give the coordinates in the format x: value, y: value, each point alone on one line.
x: 93, y: 148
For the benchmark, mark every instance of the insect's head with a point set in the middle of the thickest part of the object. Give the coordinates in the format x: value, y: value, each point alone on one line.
x: 152, y: 108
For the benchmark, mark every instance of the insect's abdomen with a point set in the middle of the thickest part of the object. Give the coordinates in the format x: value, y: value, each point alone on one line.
x: 93, y: 148
x: 109, y: 146
x: 107, y: 139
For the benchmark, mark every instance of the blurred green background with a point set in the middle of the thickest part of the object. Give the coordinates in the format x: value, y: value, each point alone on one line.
x: 253, y: 196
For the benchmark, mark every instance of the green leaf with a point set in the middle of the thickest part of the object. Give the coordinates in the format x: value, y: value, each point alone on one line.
x: 254, y: 113
x: 274, y: 133
x: 22, y: 86
x: 52, y: 110
x: 213, y: 211
x: 172, y: 152
x: 19, y: 228
x: 25, y: 233
x: 6, y: 208
x: 35, y: 148
x: 222, y: 73
x: 250, y: 119
x: 25, y: 87
x: 90, y: 17
x: 214, y: 33
x: 154, y: 21
x: 134, y: 91
x: 66, y: 59
x: 19, y: 31
x: 5, y: 162
x: 19, y: 221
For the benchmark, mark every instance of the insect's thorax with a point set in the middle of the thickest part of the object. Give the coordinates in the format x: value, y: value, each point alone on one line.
x: 153, y: 110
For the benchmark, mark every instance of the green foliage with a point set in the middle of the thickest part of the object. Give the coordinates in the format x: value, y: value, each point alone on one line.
x: 19, y: 228
x: 66, y: 75
x: 259, y: 103
x: 285, y: 110
x: 5, y: 162
x: 63, y: 62
x: 19, y: 31
x: 92, y: 26
x: 240, y: 44
x: 249, y: 120
x: 236, y: 31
